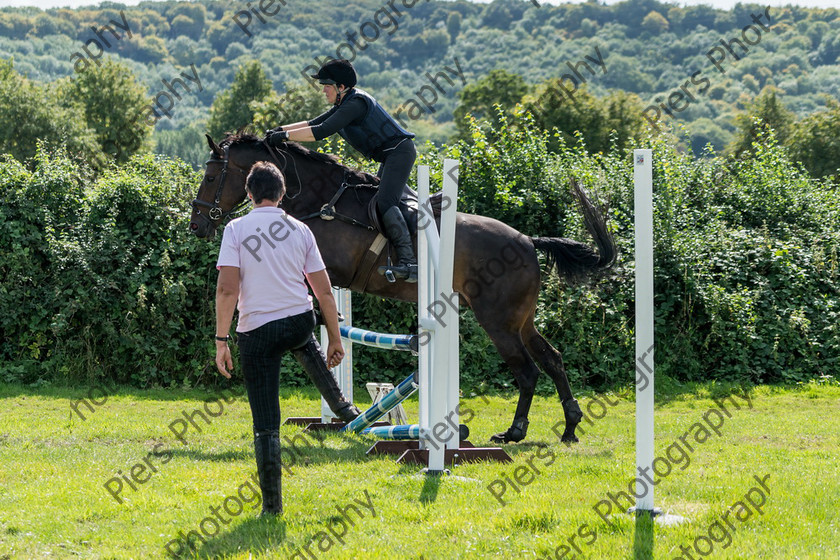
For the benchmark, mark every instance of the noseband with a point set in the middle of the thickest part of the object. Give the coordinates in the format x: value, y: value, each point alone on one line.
x: 215, y: 212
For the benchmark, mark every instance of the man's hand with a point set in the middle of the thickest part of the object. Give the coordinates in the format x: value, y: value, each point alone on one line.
x: 224, y: 362
x: 335, y: 353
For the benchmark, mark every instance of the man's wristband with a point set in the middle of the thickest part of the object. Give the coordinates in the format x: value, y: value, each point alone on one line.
x: 223, y: 338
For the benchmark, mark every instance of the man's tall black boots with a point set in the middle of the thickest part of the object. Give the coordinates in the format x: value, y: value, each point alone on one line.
x: 313, y: 362
x: 396, y: 230
x: 267, y: 452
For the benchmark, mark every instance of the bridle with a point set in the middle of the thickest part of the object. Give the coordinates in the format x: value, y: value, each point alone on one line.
x: 327, y: 211
x: 215, y: 212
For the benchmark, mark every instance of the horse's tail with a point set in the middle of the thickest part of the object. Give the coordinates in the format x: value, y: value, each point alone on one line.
x: 573, y: 259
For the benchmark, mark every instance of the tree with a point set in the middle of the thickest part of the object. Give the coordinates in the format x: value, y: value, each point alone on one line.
x: 299, y: 103
x: 232, y: 109
x: 453, y: 26
x: 815, y: 141
x: 552, y: 108
x: 32, y: 112
x: 829, y: 50
x: 499, y: 87
x: 502, y: 13
x: 192, y: 10
x: 705, y: 131
x: 187, y: 144
x: 623, y: 120
x: 655, y: 23
x: 766, y: 111
x: 612, y: 122
x: 115, y: 106
x: 184, y: 26
x: 221, y: 35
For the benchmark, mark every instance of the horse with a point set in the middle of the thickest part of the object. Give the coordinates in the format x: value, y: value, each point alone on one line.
x: 333, y: 200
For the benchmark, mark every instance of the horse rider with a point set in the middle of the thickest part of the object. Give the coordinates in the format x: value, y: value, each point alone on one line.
x: 358, y: 118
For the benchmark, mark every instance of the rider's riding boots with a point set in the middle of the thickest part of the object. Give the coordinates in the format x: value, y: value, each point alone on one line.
x: 267, y: 452
x: 310, y: 357
x: 396, y: 230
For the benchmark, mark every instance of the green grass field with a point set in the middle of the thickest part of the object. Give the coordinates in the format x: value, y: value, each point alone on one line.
x: 54, y: 469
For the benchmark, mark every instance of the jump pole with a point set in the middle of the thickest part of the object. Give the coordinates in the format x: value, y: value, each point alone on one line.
x: 438, y: 374
x: 643, y: 209
x: 437, y: 252
x: 644, y: 364
x: 343, y: 372
x: 440, y: 443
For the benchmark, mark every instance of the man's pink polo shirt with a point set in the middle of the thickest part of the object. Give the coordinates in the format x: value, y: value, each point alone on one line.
x: 272, y: 251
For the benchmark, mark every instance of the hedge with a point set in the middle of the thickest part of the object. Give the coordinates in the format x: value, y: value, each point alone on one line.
x: 101, y: 278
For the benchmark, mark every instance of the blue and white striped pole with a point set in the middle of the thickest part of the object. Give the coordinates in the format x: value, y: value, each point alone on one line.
x: 408, y: 431
x: 401, y: 392
x: 403, y: 342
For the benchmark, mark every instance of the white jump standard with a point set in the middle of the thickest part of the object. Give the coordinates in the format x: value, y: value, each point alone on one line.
x: 643, y: 209
x: 438, y: 438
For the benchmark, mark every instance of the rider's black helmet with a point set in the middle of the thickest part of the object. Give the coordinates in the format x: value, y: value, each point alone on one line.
x: 337, y: 72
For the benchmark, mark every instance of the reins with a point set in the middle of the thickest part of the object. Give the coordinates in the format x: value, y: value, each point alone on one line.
x: 327, y: 211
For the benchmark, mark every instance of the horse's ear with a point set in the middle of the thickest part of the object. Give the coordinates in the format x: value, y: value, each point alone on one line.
x: 215, y: 147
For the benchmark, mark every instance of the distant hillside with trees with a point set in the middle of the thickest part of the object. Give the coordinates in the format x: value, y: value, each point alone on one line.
x: 101, y: 278
x: 657, y: 57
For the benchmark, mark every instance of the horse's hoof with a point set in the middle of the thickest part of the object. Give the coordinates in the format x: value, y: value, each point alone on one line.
x: 505, y: 437
x: 569, y: 438
x: 513, y: 434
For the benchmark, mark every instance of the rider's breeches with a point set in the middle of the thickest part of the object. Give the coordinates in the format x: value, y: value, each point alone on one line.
x: 393, y: 174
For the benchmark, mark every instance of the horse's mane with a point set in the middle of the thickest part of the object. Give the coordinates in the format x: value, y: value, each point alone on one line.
x: 243, y: 138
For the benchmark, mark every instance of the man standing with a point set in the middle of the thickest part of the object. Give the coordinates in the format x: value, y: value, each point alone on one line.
x: 275, y: 315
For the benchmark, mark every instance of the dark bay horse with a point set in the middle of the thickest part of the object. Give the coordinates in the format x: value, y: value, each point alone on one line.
x: 497, y: 273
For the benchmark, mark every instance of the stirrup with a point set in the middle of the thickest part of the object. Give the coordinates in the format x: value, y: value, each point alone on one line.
x: 392, y: 273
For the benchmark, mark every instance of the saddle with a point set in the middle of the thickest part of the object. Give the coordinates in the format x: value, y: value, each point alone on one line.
x: 410, y: 208
x: 409, y: 204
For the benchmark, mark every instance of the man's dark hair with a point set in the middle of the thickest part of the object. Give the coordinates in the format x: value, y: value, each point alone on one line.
x: 265, y: 181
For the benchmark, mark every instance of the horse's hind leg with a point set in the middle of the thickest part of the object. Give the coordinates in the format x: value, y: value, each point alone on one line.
x: 525, y: 371
x: 551, y: 362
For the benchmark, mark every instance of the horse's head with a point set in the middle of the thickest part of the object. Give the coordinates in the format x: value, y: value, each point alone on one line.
x: 222, y: 191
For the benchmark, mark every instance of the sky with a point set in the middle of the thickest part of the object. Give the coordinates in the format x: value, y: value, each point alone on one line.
x: 722, y: 4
